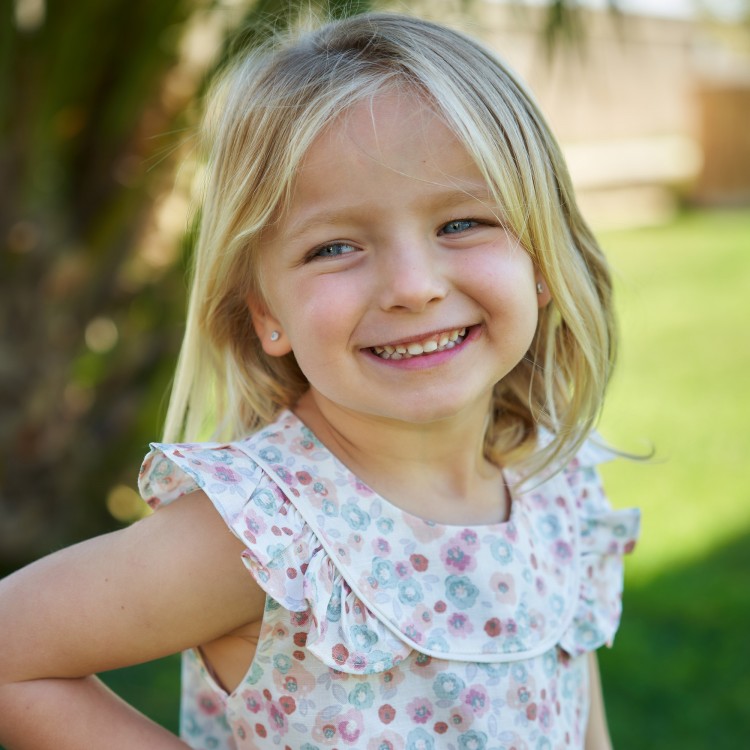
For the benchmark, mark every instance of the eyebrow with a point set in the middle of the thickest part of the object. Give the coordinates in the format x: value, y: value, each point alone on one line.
x: 442, y: 200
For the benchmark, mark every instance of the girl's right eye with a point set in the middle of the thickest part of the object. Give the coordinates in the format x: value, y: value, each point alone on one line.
x: 334, y: 250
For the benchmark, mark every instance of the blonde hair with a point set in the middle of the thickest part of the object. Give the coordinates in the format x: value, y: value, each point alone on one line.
x: 263, y: 117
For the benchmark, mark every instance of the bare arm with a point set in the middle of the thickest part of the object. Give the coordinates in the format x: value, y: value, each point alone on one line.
x: 170, y: 582
x: 597, y: 732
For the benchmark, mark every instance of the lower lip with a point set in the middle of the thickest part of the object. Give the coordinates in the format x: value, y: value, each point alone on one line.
x: 425, y: 361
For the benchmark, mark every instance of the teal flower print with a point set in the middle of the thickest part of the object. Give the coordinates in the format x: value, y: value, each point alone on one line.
x: 384, y: 572
x: 418, y: 739
x: 472, y: 740
x: 501, y: 551
x: 266, y: 501
x: 363, y: 696
x: 355, y: 517
x: 363, y: 637
x: 409, y: 591
x: 460, y: 591
x: 448, y: 686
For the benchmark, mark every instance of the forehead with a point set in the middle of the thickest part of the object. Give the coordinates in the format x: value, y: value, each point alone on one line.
x: 390, y: 149
x: 397, y: 129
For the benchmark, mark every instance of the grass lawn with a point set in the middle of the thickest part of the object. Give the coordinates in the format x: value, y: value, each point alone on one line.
x: 679, y: 676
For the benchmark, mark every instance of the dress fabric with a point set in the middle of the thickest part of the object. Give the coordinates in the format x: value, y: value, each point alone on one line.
x: 385, y: 631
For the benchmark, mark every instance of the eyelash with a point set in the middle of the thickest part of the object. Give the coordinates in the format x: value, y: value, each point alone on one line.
x: 320, y: 252
x: 472, y: 222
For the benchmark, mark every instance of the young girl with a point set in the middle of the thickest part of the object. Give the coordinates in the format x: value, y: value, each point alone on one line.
x: 402, y: 328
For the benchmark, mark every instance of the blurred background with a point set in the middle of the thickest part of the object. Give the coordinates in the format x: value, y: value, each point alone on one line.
x: 651, y: 103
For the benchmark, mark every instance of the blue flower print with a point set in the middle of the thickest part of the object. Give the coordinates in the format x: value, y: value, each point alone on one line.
x: 385, y: 525
x: 362, y: 696
x: 409, y: 591
x: 282, y: 662
x: 549, y: 527
x: 266, y: 501
x: 384, y: 572
x: 418, y: 739
x: 272, y: 455
x: 308, y: 746
x: 363, y: 637
x: 448, y: 686
x: 333, y: 612
x: 501, y: 551
x: 460, y: 591
x: 355, y: 517
x: 472, y: 740
x: 329, y: 508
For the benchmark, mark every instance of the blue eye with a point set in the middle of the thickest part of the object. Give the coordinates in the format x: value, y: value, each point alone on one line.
x: 458, y: 225
x: 334, y: 250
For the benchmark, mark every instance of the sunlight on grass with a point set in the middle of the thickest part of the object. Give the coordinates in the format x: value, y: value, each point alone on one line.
x: 682, y: 385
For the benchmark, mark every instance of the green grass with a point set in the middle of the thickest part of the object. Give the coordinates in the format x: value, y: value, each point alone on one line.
x: 679, y: 675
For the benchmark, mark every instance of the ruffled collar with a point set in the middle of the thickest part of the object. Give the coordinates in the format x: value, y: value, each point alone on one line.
x: 476, y: 593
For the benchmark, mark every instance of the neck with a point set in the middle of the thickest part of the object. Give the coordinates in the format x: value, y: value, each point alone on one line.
x: 406, y: 463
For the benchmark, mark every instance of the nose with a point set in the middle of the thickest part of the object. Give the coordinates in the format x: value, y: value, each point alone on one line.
x: 411, y: 277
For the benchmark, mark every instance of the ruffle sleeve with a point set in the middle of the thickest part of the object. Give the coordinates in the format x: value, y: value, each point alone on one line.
x: 283, y: 553
x: 606, y: 536
x: 279, y: 544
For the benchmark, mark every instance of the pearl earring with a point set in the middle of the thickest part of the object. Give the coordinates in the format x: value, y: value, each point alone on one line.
x: 539, y: 287
x: 275, y: 336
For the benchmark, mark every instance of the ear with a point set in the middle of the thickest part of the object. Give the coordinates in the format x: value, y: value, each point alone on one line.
x: 268, y: 329
x: 543, y: 294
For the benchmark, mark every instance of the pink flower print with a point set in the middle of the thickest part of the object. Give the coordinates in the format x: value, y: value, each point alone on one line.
x: 350, y: 726
x: 340, y: 653
x: 355, y: 541
x: 381, y: 546
x: 476, y: 698
x: 504, y: 586
x: 391, y: 679
x: 412, y: 630
x: 386, y: 741
x: 456, y: 557
x: 563, y: 551
x: 424, y: 531
x: 420, y: 710
x: 325, y: 730
x: 469, y: 539
x: 461, y: 718
x: 255, y: 526
x: 253, y: 700
x: 208, y: 703
x: 278, y: 719
x: 402, y: 570
x: 459, y: 624
x: 226, y: 474
x: 419, y: 562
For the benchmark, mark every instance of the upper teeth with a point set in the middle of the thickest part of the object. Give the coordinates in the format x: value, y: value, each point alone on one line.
x: 439, y: 342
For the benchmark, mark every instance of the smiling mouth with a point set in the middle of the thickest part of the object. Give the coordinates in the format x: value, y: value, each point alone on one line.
x: 438, y: 343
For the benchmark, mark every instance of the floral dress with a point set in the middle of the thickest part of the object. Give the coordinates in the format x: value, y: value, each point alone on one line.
x: 385, y: 631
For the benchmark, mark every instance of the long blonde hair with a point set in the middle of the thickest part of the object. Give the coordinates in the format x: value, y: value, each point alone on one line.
x: 264, y: 115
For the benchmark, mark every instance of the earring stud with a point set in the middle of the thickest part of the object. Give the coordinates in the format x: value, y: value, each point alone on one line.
x: 275, y: 336
x: 539, y: 287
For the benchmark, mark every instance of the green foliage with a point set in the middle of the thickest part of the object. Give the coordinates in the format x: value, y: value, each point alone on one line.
x: 680, y: 668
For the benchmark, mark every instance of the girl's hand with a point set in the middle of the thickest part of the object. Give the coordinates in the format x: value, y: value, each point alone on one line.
x: 172, y: 581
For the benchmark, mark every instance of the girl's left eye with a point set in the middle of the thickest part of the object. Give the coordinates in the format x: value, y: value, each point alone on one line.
x: 334, y: 250
x: 458, y: 225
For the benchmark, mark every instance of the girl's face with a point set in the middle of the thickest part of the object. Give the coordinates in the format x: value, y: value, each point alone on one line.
x: 390, y: 276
